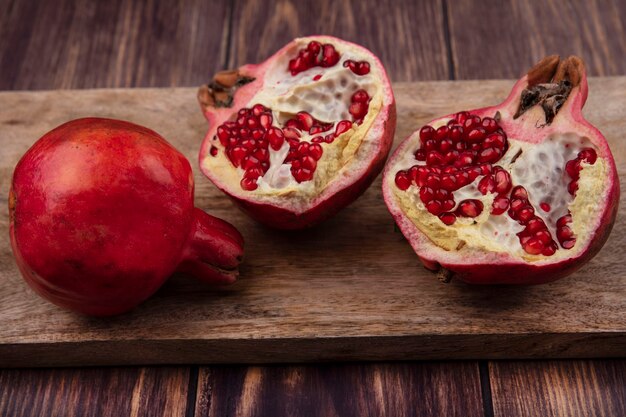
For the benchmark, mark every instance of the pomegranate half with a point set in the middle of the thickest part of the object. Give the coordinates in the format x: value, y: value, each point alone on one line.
x: 521, y: 193
x: 101, y: 214
x: 298, y: 137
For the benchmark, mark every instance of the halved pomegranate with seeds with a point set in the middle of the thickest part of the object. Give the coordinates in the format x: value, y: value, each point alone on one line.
x: 523, y: 192
x: 300, y: 136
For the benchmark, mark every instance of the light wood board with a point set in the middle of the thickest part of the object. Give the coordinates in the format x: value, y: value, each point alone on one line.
x: 350, y: 289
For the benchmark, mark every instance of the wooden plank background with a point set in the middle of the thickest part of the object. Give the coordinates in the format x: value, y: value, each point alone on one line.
x: 126, y: 43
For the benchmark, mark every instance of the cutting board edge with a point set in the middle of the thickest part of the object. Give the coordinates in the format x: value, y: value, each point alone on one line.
x: 313, y: 350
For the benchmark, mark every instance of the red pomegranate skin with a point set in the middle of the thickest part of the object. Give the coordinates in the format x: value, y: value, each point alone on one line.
x: 101, y: 214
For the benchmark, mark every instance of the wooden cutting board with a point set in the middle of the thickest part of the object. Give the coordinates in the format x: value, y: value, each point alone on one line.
x: 350, y: 289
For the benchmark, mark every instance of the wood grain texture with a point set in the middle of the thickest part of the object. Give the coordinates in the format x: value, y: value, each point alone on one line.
x: 399, y: 389
x: 97, y: 392
x: 117, y: 43
x: 367, y: 299
x: 500, y: 39
x: 559, y: 388
x: 408, y: 36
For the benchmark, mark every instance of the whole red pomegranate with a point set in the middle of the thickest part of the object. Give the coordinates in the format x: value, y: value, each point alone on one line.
x: 521, y: 193
x: 101, y: 214
x: 297, y: 138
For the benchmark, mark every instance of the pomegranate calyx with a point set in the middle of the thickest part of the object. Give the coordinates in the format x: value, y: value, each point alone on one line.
x: 220, y: 91
x: 444, y: 275
x: 214, y: 252
x: 549, y: 84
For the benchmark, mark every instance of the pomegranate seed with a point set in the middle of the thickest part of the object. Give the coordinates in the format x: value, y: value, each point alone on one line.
x: 223, y: 134
x: 485, y: 169
x: 302, y: 174
x: 213, y: 151
x: 432, y: 180
x: 291, y: 133
x: 465, y: 158
x: 258, y: 109
x: 489, y: 124
x: 549, y: 249
x: 456, y: 133
x: 533, y: 246
x: 470, y: 208
x: 303, y: 148
x: 314, y: 47
x: 462, y: 179
x: 358, y: 110
x: 426, y: 194
x: 486, y: 185
x: 451, y: 157
x: 545, y: 207
x: 449, y: 182
x: 250, y: 162
x: 317, y: 77
x: 249, y: 144
x: 525, y: 214
x: 573, y: 168
x: 434, y: 207
x: 460, y: 117
x: 476, y: 135
x: 568, y: 244
x: 588, y: 155
x: 276, y: 138
x: 414, y: 173
x: 430, y: 145
x: 489, y: 155
x: 564, y: 220
x: 442, y: 133
x: 519, y: 192
x: 543, y: 236
x: 516, y: 205
x: 237, y: 154
x: 535, y: 225
x: 308, y: 162
x: 500, y: 205
x: 564, y: 233
x: 316, y: 151
x: 330, y: 56
x: 442, y: 194
x: 420, y: 155
x: 422, y: 175
x: 503, y: 180
x: 426, y: 133
x: 306, y: 120
x: 317, y: 139
x: 402, y: 180
x: 447, y: 218
x: 447, y: 205
x: 342, y: 127
x: 572, y: 187
x: 434, y: 158
x: 473, y: 173
x: 445, y: 145
x: 253, y: 173
x: 257, y: 133
x: 262, y: 154
x: 248, y: 184
x: 244, y: 132
x: 494, y: 140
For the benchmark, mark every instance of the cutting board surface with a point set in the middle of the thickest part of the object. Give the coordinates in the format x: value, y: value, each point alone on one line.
x: 350, y: 289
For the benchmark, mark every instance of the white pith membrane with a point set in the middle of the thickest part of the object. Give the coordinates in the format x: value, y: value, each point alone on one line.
x: 327, y: 99
x: 540, y: 169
